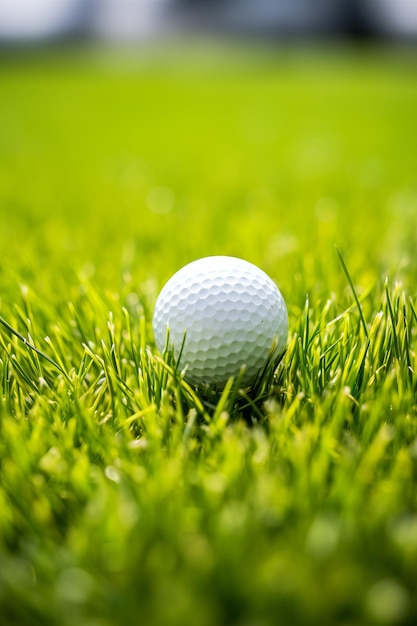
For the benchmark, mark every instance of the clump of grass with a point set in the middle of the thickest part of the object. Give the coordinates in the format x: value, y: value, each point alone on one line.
x: 142, y: 483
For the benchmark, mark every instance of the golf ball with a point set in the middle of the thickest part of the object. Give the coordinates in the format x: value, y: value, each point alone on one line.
x: 225, y: 313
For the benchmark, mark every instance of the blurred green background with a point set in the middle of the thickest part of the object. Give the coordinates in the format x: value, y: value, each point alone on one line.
x: 127, y: 164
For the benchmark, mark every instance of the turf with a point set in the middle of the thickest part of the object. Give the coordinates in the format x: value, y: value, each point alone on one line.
x: 128, y: 497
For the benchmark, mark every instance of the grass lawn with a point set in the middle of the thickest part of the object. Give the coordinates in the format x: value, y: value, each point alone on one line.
x: 128, y: 497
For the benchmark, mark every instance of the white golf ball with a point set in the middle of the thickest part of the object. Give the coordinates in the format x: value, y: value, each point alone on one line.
x: 231, y: 314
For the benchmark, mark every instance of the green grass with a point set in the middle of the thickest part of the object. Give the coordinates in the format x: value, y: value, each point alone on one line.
x: 127, y: 496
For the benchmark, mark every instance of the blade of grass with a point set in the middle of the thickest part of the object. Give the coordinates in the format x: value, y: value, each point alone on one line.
x: 355, y: 295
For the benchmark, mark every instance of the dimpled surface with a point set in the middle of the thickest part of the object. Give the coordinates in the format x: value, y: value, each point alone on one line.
x: 232, y: 314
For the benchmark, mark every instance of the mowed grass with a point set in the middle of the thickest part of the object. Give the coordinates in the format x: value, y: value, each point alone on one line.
x: 128, y: 497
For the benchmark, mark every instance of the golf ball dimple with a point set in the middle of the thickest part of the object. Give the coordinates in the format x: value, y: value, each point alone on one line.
x: 231, y: 315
